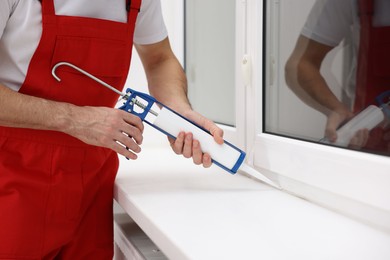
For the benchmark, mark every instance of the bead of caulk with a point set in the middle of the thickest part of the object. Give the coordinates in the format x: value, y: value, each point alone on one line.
x: 245, y: 168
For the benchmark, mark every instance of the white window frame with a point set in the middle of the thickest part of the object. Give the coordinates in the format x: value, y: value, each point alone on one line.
x: 354, y: 183
x: 236, y: 135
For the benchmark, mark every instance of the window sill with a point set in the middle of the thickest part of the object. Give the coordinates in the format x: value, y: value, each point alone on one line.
x: 195, y: 213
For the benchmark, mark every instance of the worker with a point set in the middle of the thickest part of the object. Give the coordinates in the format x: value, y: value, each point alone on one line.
x: 59, y: 141
x: 364, y: 27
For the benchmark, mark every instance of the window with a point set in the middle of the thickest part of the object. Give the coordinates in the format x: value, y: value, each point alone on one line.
x: 352, y: 182
x: 280, y: 145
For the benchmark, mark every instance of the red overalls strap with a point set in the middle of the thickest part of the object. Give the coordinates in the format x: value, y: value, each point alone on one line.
x: 56, y: 192
x: 373, y: 73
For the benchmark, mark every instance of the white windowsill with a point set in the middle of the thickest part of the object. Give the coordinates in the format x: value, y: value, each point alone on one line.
x: 195, y: 213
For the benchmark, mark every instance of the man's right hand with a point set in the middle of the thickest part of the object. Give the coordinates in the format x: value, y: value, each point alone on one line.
x: 334, y: 121
x: 107, y: 127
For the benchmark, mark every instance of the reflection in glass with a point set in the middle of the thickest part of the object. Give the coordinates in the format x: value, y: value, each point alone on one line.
x: 328, y: 79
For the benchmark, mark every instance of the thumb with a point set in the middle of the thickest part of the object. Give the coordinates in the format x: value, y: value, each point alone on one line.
x: 217, y: 133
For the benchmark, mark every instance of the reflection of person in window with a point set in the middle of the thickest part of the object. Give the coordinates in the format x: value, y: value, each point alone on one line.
x: 366, y: 24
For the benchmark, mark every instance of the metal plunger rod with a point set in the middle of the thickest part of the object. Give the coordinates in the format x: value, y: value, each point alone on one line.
x: 122, y: 94
x: 53, y: 72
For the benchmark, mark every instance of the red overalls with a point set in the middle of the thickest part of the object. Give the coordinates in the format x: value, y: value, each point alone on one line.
x: 373, y: 72
x: 56, y: 192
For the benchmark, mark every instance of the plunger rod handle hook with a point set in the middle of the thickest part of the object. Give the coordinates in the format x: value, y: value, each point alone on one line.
x: 63, y: 63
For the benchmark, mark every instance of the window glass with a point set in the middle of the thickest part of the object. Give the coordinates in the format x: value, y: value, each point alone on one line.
x: 328, y: 72
x: 210, y: 58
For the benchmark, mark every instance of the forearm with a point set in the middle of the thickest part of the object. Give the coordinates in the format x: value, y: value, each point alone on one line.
x: 303, y: 76
x: 99, y: 126
x: 166, y: 79
x: 19, y: 110
x: 310, y: 82
x: 168, y: 84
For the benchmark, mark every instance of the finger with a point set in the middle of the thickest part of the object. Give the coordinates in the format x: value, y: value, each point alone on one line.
x: 133, y: 132
x: 207, y: 160
x: 333, y: 122
x: 128, y: 142
x: 359, y: 139
x: 364, y: 135
x: 187, y: 147
x: 133, y: 120
x: 197, y: 154
x: 122, y: 150
x: 354, y: 143
x: 177, y: 145
x: 330, y: 131
x: 214, y: 130
x: 217, y: 133
x: 207, y: 124
x: 331, y: 135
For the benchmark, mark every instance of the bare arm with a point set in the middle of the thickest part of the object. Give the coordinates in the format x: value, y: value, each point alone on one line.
x: 168, y: 84
x: 303, y: 76
x: 100, y: 126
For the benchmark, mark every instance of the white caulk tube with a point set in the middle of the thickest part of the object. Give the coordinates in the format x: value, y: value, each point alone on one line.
x: 369, y: 118
x: 225, y: 155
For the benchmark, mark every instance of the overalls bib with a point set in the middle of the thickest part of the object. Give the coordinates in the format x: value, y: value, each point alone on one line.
x: 56, y: 192
x: 373, y: 72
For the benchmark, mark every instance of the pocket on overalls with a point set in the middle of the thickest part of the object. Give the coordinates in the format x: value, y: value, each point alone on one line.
x: 103, y: 58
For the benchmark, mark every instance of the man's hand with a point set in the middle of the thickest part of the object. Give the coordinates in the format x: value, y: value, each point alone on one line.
x: 335, y: 119
x: 185, y: 144
x: 107, y: 127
